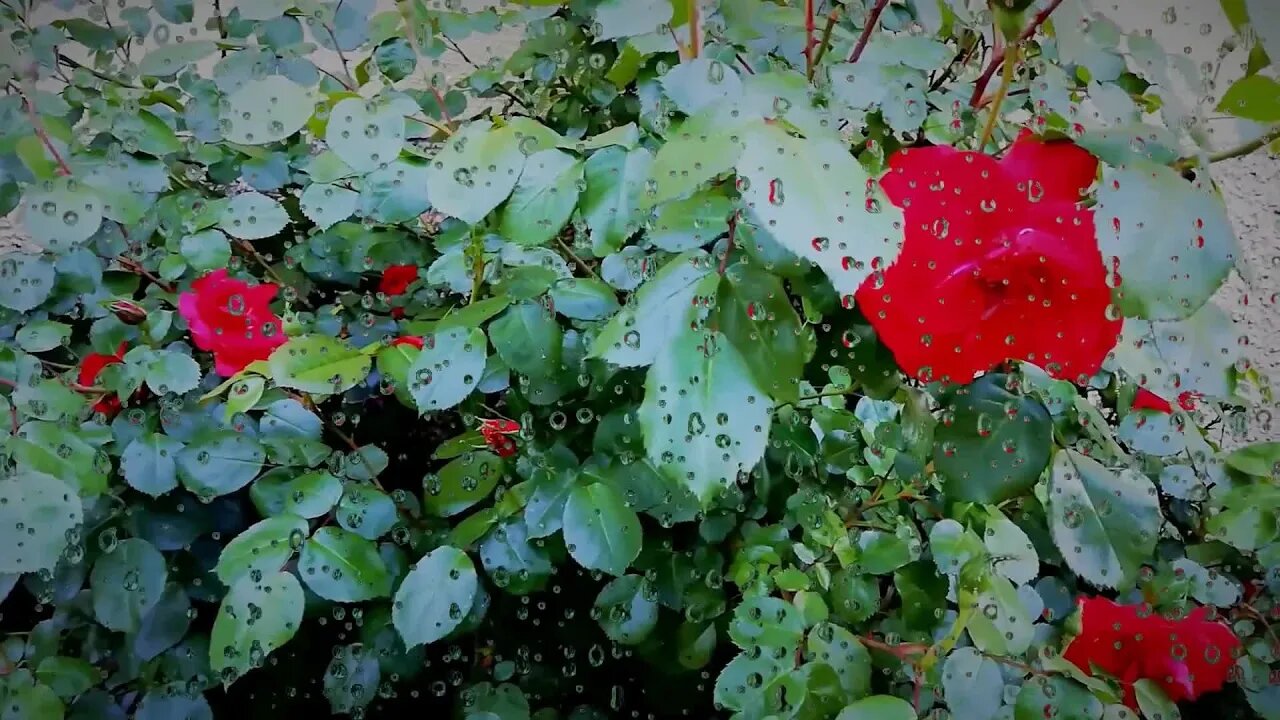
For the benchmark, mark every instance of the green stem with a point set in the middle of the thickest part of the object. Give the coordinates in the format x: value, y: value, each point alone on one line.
x: 1231, y: 153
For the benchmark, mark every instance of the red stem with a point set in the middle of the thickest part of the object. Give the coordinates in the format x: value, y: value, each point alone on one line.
x: 728, y: 247
x: 444, y: 111
x: 873, y: 19
x: 63, y: 168
x: 810, y: 27
x: 980, y: 88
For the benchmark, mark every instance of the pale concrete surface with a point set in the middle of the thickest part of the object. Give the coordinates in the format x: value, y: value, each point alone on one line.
x: 1197, y: 28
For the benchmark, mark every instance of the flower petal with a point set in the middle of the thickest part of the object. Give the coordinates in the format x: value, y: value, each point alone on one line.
x: 1050, y: 171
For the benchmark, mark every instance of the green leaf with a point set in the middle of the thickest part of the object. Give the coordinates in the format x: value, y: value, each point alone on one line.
x: 256, y: 618
x: 1264, y: 21
x: 1256, y: 97
x: 615, y: 178
x: 263, y: 547
x: 741, y: 683
x: 636, y: 335
x: 366, y: 134
x: 127, y: 583
x: 208, y: 250
x: 583, y: 299
x: 352, y: 679
x: 219, y: 462
x: 165, y: 625
x: 1063, y: 698
x: 973, y: 682
x: 754, y: 312
x: 25, y: 280
x: 434, y: 597
x: 42, y: 336
x: 543, y: 198
x: 31, y: 702
x: 627, y: 18
x: 1153, y: 701
x: 992, y: 444
x: 448, y: 368
x: 700, y: 83
x: 706, y: 145
x: 175, y: 11
x: 170, y: 371
x: 343, y: 567
x: 396, y: 193
x: 366, y: 511
x: 528, y: 339
x: 516, y: 563
x: 1171, y: 357
x: 463, y: 482
x: 817, y: 200
x: 836, y: 646
x: 766, y: 622
x: 63, y: 453
x: 309, y: 495
x: 1106, y: 523
x: 173, y: 702
x: 1169, y: 240
x: 705, y: 419
x: 1245, y: 517
x: 67, y: 676
x: 253, y: 216
x: 690, y: 223
x: 545, y: 509
x: 1001, y: 626
x: 61, y: 214
x: 600, y: 531
x: 1012, y: 553
x: 262, y: 9
x: 878, y: 707
x: 1259, y: 459
x: 150, y: 464
x: 319, y: 365
x: 265, y: 110
x: 395, y: 58
x: 170, y: 59
x: 477, y: 170
x: 326, y: 205
x: 38, y: 512
x: 627, y: 609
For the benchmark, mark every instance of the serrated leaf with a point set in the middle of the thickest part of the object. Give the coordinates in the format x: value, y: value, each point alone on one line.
x: 1171, y: 357
x: 326, y: 205
x: 263, y: 547
x: 127, y: 583
x: 352, y: 679
x: 614, y: 189
x: 256, y: 618
x: 627, y: 18
x: 448, y: 368
x: 1012, y: 554
x: 627, y: 609
x: 319, y: 365
x: 706, y: 145
x: 365, y: 134
x: 25, y: 280
x: 172, y: 372
x: 1169, y: 240
x: 699, y: 83
x: 517, y: 563
x: 600, y: 531
x: 170, y: 59
x: 265, y: 110
x: 37, y: 513
x: 253, y: 216
x: 640, y: 330
x: 477, y: 170
x: 528, y: 339
x: 42, y: 336
x: 583, y: 299
x: 973, y: 682
x: 1256, y: 97
x: 1104, y: 522
x: 150, y: 464
x: 462, y: 483
x: 434, y: 597
x: 61, y: 214
x: 219, y: 462
x: 820, y: 204
x: 755, y: 314
x: 704, y: 417
x: 543, y: 198
x: 343, y: 567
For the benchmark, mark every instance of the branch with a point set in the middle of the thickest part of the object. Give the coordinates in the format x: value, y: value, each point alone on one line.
x: 581, y: 263
x: 873, y: 19
x: 38, y: 125
x: 825, y: 44
x: 728, y: 248
x: 77, y: 65
x: 222, y: 24
x: 1006, y: 80
x: 980, y: 88
x: 1231, y: 153
x: 695, y: 31
x: 252, y: 251
x: 809, y: 29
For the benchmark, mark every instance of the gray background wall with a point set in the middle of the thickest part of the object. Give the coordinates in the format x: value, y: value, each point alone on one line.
x: 1198, y: 28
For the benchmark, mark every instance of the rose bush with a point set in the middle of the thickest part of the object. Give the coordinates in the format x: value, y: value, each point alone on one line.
x: 730, y: 358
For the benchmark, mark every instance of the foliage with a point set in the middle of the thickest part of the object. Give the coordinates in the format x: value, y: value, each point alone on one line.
x: 629, y: 373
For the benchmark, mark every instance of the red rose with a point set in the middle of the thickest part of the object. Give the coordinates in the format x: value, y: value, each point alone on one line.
x: 395, y: 280
x: 496, y: 432
x: 90, y: 368
x: 1147, y: 400
x: 231, y: 319
x: 999, y: 262
x: 410, y: 340
x: 1187, y: 657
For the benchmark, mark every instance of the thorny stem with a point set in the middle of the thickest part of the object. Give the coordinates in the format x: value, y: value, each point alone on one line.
x: 252, y: 252
x: 873, y: 19
x: 1231, y: 153
x: 980, y: 88
x: 38, y: 126
x: 444, y: 111
x: 809, y: 29
x: 222, y: 24
x: 960, y: 59
x: 1006, y: 79
x: 695, y: 31
x: 728, y: 248
x: 136, y: 268
x: 825, y: 44
x: 581, y: 263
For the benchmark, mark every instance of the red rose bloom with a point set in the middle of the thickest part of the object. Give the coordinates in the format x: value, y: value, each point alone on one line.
x: 1187, y: 657
x: 395, y: 280
x: 410, y: 340
x: 90, y: 367
x: 231, y: 319
x: 496, y: 434
x: 999, y: 262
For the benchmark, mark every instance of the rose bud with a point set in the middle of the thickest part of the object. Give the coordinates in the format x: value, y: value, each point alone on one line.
x: 128, y: 312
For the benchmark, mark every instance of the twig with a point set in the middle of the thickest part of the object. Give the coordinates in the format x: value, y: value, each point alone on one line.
x: 728, y: 248
x: 873, y: 19
x: 1006, y: 80
x: 444, y: 111
x: 743, y: 62
x: 581, y: 263
x: 825, y: 44
x: 695, y: 31
x: 222, y: 25
x: 337, y: 79
x: 252, y: 251
x: 810, y: 28
x: 1231, y: 153
x: 77, y: 65
x: 136, y: 268
x: 346, y: 67
x: 38, y: 125
x: 960, y: 59
x: 901, y: 651
x: 980, y: 88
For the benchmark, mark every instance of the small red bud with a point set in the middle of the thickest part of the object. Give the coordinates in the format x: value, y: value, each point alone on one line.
x: 128, y: 312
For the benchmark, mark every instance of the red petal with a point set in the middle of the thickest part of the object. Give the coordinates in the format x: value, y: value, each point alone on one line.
x: 410, y: 340
x: 1050, y: 171
x: 1147, y: 400
x: 397, y: 278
